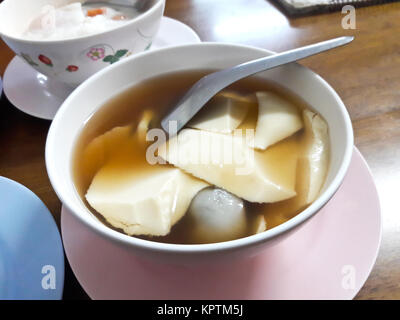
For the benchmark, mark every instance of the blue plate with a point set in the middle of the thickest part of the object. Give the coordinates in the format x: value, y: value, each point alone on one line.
x: 31, y: 252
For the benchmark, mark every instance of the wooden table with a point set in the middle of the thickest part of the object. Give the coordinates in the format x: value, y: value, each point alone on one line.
x: 366, y: 74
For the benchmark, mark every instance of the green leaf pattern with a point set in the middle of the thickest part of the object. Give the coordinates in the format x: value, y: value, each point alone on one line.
x: 115, y: 57
x: 28, y: 59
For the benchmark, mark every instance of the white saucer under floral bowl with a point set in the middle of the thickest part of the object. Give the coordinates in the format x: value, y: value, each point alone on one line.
x: 330, y: 257
x: 39, y: 96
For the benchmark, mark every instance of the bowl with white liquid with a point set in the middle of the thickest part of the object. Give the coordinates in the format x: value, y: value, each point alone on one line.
x: 70, y: 40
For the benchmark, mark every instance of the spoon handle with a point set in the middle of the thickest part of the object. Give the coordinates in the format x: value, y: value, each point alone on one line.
x: 207, y: 87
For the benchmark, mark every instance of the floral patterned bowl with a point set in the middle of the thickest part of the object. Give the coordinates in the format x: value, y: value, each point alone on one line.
x: 74, y: 60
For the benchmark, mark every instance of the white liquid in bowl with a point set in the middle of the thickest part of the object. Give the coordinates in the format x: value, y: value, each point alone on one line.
x: 75, y: 20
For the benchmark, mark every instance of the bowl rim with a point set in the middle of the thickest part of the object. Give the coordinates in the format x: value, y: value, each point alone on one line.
x: 252, y: 240
x: 139, y: 18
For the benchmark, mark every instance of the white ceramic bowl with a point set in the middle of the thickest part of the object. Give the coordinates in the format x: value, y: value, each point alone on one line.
x: 98, y: 89
x: 74, y: 60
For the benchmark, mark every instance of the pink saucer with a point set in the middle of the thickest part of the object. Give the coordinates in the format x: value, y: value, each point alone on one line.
x: 329, y: 258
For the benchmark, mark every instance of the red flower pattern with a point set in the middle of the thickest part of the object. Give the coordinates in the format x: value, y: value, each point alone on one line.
x: 72, y: 68
x: 45, y: 60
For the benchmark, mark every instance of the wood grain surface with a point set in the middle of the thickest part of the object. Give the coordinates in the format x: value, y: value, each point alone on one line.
x: 366, y: 74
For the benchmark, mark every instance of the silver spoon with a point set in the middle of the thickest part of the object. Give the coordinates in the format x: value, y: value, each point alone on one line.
x: 207, y: 87
x: 138, y: 5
